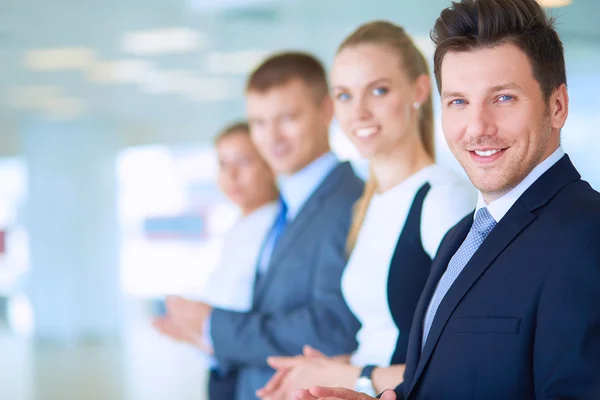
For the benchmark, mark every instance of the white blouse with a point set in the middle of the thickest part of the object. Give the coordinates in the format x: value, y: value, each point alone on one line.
x: 231, y: 285
x: 365, y: 279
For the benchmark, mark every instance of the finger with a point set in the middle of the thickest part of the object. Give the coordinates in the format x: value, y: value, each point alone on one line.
x: 388, y: 395
x: 158, y: 322
x: 343, y: 358
x: 275, y: 382
x: 337, y: 393
x: 282, y: 362
x: 168, y: 329
x: 302, y: 395
x: 172, y: 301
x: 174, y: 306
x: 310, y: 352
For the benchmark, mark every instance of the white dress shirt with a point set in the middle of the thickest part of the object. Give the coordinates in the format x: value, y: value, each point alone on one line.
x: 295, y: 190
x: 231, y: 285
x: 499, y: 207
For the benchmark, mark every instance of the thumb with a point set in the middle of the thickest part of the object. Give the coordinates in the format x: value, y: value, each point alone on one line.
x: 281, y: 362
x: 388, y: 395
x: 312, y: 353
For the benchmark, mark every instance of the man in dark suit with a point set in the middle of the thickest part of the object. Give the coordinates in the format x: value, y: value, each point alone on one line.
x: 297, y: 296
x: 511, y: 309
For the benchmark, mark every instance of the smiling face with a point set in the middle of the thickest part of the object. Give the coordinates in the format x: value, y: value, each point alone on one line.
x: 288, y: 126
x: 374, y: 98
x: 243, y: 175
x: 495, y: 118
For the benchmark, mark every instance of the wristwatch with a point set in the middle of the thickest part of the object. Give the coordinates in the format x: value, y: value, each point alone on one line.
x: 364, y: 383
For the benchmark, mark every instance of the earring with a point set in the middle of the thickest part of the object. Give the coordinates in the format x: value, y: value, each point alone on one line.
x: 416, y: 105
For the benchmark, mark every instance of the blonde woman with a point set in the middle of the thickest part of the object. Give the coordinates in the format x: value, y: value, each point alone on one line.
x: 382, y: 92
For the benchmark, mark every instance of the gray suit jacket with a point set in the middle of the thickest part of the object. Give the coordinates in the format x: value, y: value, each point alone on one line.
x: 299, y: 300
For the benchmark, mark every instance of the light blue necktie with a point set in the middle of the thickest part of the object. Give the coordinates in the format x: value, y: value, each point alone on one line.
x: 482, y: 226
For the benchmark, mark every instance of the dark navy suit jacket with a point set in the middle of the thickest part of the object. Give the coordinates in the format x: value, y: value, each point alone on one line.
x: 522, y: 321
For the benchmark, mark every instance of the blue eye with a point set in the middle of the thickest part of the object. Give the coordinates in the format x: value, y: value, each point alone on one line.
x: 505, y: 98
x: 380, y: 91
x: 343, y: 97
x: 458, y: 102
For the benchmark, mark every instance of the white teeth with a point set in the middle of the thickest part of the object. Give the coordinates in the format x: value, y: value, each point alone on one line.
x: 365, y: 132
x: 486, y: 153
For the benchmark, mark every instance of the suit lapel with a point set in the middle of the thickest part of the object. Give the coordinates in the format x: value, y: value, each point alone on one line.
x: 445, y: 253
x: 505, y: 232
x: 514, y: 222
x: 294, y: 228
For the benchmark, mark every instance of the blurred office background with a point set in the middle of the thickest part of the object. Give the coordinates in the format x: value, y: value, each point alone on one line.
x: 107, y: 173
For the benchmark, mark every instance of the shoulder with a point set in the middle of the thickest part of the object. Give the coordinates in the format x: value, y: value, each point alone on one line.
x: 576, y: 207
x: 348, y: 185
x: 253, y: 225
x: 264, y: 213
x: 449, y: 194
x: 450, y: 199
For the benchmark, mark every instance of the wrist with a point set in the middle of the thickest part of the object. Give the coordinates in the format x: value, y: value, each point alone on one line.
x: 364, y: 383
x: 347, y: 375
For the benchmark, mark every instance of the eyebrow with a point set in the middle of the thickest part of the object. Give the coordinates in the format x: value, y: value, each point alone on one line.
x: 372, y: 83
x: 493, y: 89
x: 506, y: 86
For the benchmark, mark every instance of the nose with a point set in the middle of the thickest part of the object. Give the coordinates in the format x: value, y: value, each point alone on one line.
x: 480, y: 121
x: 361, y: 109
x: 272, y: 132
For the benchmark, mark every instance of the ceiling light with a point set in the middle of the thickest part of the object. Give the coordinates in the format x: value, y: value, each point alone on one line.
x: 189, y: 85
x: 212, y: 5
x: 32, y: 96
x: 65, y: 58
x: 119, y: 71
x: 555, y: 3
x: 64, y: 108
x: 177, y: 40
x: 234, y: 62
x: 47, y: 99
x: 212, y: 89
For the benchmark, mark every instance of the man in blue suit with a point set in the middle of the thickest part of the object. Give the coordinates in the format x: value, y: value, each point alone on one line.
x: 511, y: 309
x: 297, y: 296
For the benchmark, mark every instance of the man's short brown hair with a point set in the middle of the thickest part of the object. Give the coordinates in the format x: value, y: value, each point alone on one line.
x: 281, y: 68
x: 478, y: 24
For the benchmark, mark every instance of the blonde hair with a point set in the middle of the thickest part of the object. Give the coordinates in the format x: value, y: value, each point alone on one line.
x: 414, y: 64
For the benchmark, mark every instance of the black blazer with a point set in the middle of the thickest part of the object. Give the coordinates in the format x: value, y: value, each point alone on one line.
x: 522, y: 321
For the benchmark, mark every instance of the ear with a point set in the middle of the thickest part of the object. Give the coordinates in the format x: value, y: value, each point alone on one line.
x: 422, y: 88
x: 558, y: 105
x: 327, y: 108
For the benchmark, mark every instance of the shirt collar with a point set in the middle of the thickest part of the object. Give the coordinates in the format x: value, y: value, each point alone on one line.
x: 499, y: 207
x: 297, y: 188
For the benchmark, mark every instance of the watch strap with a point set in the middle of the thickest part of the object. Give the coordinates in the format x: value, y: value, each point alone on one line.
x: 367, y: 371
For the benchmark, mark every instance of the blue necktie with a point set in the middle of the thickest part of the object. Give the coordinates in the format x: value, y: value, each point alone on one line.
x: 280, y: 222
x: 272, y: 238
x: 482, y: 226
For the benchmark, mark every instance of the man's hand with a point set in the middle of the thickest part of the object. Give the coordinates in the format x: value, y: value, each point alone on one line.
x: 312, y: 368
x: 323, y: 393
x: 184, y: 321
x: 313, y: 353
x: 168, y: 327
x: 190, y: 314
